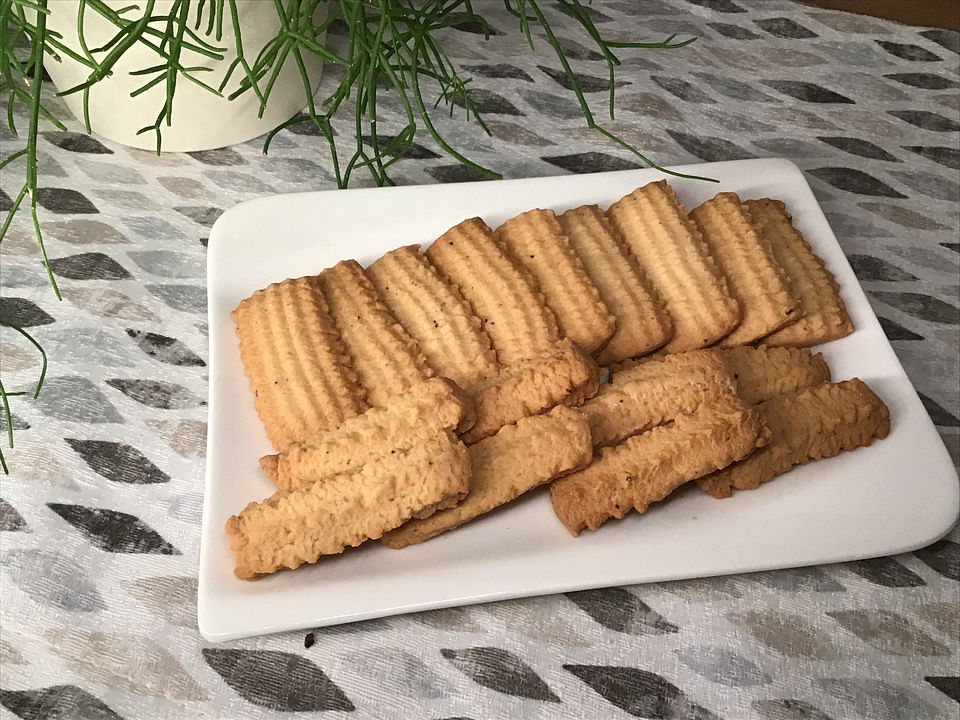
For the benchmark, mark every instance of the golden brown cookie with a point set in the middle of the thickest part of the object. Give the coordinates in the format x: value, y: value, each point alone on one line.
x: 435, y: 315
x: 421, y: 413
x: 270, y: 465
x: 298, y: 368
x: 642, y: 324
x: 674, y: 258
x: 289, y: 529
x: 535, y: 241
x: 808, y: 424
x: 762, y: 373
x: 387, y: 360
x: 511, y: 309
x: 824, y: 316
x: 656, y: 392
x: 648, y: 467
x: 745, y: 257
x: 517, y: 459
x: 565, y: 375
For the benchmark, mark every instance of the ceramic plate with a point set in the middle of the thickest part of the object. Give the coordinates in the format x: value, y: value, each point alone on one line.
x: 898, y: 495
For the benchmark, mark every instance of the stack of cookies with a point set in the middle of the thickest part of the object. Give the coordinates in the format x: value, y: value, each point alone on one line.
x: 411, y: 396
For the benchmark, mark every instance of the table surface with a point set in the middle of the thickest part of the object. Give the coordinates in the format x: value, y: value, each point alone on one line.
x: 101, y: 512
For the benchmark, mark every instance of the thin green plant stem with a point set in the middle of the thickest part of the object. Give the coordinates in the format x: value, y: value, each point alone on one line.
x: 43, y: 249
x: 424, y: 115
x: 81, y: 38
x: 176, y: 45
x: 241, y: 58
x: 585, y: 108
x: 12, y: 211
x: 32, y: 5
x: 153, y: 82
x: 55, y: 48
x: 31, y: 183
x: 275, y: 73
x: 218, y: 22
x: 11, y: 158
x: 6, y: 8
x: 199, y: 15
x: 43, y: 355
x: 27, y: 97
x: 106, y: 65
x: 9, y: 421
x: 370, y: 108
x: 606, y: 133
x: 612, y: 60
x: 662, y: 45
x: 5, y: 396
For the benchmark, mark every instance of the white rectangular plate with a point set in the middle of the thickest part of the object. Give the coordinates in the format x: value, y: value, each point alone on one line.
x: 898, y: 495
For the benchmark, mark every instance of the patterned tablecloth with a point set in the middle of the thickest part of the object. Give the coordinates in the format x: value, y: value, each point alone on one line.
x: 101, y: 514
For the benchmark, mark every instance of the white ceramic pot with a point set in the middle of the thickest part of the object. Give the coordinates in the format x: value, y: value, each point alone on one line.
x: 201, y: 120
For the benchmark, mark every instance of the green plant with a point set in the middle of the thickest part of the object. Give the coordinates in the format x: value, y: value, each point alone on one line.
x: 5, y: 396
x: 392, y: 46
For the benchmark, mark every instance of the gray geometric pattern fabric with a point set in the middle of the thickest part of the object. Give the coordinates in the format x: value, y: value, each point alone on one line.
x: 99, y: 520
